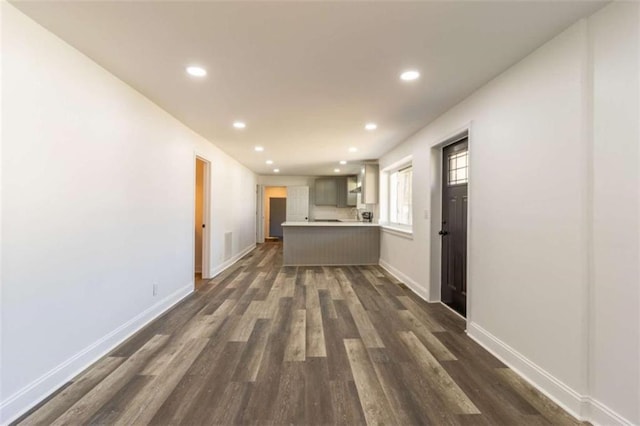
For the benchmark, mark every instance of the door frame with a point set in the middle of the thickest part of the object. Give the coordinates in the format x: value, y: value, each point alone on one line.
x: 206, y: 202
x: 435, y: 272
x: 260, y: 190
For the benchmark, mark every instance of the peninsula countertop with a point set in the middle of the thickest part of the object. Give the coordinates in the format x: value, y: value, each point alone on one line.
x: 333, y: 224
x: 330, y: 243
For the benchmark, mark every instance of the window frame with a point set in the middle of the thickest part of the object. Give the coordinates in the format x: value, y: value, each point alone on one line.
x: 402, y: 228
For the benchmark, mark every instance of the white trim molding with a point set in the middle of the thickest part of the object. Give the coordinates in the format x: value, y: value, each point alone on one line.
x: 413, y: 285
x: 599, y: 414
x: 218, y: 269
x: 580, y: 406
x: 397, y: 231
x: 26, y: 398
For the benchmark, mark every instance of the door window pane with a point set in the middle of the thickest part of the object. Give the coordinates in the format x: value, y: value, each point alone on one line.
x: 458, y: 168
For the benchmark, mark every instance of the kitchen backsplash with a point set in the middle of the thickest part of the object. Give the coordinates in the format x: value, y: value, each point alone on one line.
x: 330, y: 212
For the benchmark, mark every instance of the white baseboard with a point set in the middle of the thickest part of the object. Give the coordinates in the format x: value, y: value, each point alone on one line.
x: 26, y: 398
x: 582, y: 407
x: 218, y: 269
x: 599, y: 414
x: 559, y: 392
x: 414, y: 286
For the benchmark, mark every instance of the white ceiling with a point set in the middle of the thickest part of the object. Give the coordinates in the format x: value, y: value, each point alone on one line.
x: 306, y: 77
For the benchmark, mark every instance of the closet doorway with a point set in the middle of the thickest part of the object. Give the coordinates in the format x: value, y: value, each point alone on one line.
x: 201, y: 219
x: 275, y: 211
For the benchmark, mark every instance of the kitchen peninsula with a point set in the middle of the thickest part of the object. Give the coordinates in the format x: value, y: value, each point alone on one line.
x: 331, y: 243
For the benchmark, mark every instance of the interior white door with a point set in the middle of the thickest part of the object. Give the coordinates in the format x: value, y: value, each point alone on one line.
x: 297, y: 203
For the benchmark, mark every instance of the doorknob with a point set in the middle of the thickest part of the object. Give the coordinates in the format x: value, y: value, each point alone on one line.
x: 443, y: 233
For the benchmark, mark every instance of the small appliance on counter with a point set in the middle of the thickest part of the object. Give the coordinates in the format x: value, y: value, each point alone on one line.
x: 367, y: 217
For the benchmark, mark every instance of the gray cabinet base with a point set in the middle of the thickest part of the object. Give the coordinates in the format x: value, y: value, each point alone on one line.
x: 340, y: 245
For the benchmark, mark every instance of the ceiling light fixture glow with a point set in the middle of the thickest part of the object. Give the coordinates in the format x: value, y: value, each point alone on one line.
x: 353, y: 149
x: 336, y: 170
x: 269, y: 162
x: 276, y: 170
x: 410, y: 75
x: 196, y: 71
x: 239, y: 124
x: 259, y: 148
x: 343, y: 162
x: 371, y: 126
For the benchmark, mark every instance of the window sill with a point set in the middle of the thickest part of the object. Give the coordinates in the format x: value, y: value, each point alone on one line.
x: 397, y: 231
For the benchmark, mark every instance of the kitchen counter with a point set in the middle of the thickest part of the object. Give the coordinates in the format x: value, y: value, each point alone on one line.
x: 331, y: 243
x: 341, y: 223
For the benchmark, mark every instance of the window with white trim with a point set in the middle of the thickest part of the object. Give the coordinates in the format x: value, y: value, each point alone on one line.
x: 400, y: 185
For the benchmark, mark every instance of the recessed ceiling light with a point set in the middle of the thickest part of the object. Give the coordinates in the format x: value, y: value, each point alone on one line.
x: 410, y: 75
x: 353, y: 149
x: 371, y: 126
x: 196, y: 71
x: 269, y: 162
x: 336, y: 170
x: 343, y: 162
x: 259, y: 148
x: 276, y: 170
x: 239, y: 124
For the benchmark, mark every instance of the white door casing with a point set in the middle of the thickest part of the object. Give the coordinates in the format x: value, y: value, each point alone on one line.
x: 259, y: 214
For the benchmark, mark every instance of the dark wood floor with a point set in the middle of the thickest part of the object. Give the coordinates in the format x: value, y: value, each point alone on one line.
x: 266, y: 344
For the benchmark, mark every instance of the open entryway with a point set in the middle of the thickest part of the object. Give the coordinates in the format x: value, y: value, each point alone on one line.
x: 455, y: 179
x: 275, y: 211
x: 201, y: 211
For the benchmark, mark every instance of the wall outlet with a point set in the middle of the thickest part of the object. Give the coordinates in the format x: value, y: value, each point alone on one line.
x: 155, y: 289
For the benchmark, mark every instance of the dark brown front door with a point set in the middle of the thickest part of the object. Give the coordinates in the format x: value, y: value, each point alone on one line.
x: 454, y: 226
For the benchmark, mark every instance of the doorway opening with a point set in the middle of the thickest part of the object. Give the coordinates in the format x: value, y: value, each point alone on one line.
x: 275, y: 211
x: 453, y: 230
x: 201, y: 218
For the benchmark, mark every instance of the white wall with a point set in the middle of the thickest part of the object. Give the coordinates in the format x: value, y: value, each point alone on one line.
x: 615, y: 353
x: 98, y: 204
x: 533, y: 195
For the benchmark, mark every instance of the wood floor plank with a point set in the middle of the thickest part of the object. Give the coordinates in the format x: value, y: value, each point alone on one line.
x: 347, y: 410
x: 90, y: 403
x: 77, y: 389
x: 326, y: 304
x: 247, y: 369
x: 334, y: 286
x: 112, y: 409
x: 229, y: 408
x: 263, y: 344
x: 544, y: 405
x: 297, y: 342
x: 435, y: 346
x: 317, y: 402
x: 421, y: 314
x: 315, y: 343
x: 375, y: 405
x: 459, y: 402
x: 401, y: 400
x: 145, y: 404
x: 179, y: 404
x: 263, y: 394
x: 498, y: 403
x: 289, y: 407
x: 367, y: 331
x: 214, y: 384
